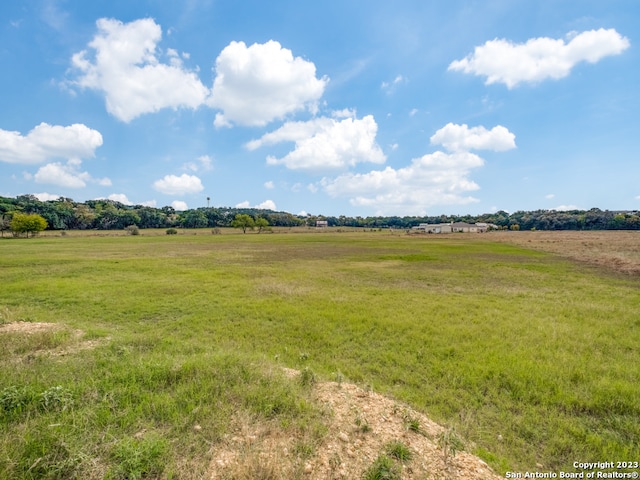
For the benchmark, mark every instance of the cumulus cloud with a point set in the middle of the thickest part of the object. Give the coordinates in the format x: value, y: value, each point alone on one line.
x: 47, y: 142
x: 122, y: 62
x: 44, y: 196
x: 434, y: 179
x: 502, y: 61
x: 325, y: 143
x: 263, y: 82
x: 67, y: 175
x: 457, y: 138
x: 437, y: 178
x: 269, y: 185
x: 174, y: 185
x: 266, y: 205
x: 179, y: 205
x: 120, y: 197
x: 566, y: 208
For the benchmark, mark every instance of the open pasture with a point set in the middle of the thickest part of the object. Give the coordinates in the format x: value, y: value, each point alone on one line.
x: 162, y: 340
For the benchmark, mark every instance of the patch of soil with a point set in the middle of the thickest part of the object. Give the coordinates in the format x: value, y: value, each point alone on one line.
x: 360, y: 426
x: 30, y: 328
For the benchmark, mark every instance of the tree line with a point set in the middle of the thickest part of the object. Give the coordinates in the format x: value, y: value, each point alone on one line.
x: 66, y: 214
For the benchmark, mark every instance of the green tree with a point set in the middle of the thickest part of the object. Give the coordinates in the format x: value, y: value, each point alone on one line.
x: 5, y: 223
x: 194, y: 219
x: 243, y: 221
x: 29, y: 223
x: 262, y: 224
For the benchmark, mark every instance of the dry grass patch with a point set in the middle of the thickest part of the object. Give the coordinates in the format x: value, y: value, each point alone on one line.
x: 42, y: 338
x: 615, y: 250
x: 361, y: 427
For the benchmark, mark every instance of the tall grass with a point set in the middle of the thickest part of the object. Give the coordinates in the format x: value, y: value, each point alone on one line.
x: 532, y: 359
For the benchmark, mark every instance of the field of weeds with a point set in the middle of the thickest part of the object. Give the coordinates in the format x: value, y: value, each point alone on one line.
x: 163, y: 343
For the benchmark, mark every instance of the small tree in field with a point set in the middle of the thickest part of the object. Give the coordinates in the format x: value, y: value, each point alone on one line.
x: 243, y: 221
x: 5, y: 224
x: 262, y: 224
x: 29, y: 223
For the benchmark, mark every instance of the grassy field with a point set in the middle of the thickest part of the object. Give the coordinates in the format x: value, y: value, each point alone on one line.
x: 163, y: 341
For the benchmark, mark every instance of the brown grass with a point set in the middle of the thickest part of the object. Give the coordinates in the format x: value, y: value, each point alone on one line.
x: 614, y: 250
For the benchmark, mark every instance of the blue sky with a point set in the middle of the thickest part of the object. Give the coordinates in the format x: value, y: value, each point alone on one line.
x: 340, y: 107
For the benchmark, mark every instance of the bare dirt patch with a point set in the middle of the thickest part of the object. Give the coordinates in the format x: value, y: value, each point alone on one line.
x: 28, y: 327
x: 37, y: 328
x: 615, y: 250
x: 361, y: 424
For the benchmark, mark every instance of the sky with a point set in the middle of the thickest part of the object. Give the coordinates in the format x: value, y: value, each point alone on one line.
x: 339, y: 107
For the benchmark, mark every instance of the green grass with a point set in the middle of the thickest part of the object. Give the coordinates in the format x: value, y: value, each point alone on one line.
x: 498, y: 341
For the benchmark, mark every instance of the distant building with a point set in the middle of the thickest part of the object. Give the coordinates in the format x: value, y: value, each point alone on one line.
x: 322, y: 224
x: 454, y: 227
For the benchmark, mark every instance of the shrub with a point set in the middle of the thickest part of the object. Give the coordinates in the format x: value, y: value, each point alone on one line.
x: 29, y: 223
x: 172, y: 231
x: 133, y: 230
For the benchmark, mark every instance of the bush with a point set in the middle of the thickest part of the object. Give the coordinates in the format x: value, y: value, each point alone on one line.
x: 31, y: 223
x: 133, y: 230
x: 172, y: 231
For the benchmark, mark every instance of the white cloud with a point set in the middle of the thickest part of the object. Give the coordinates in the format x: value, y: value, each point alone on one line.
x: 434, y: 179
x: 269, y: 185
x: 502, y: 61
x: 257, y: 84
x: 325, y: 143
x: 437, y: 178
x: 389, y: 87
x: 120, y: 197
x: 44, y: 197
x: 174, y: 185
x: 204, y: 163
x: 565, y: 208
x: 45, y: 142
x: 122, y: 63
x: 67, y: 175
x: 266, y: 205
x: 461, y: 138
x: 549, y: 196
x: 344, y: 113
x: 179, y: 205
x: 149, y: 203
